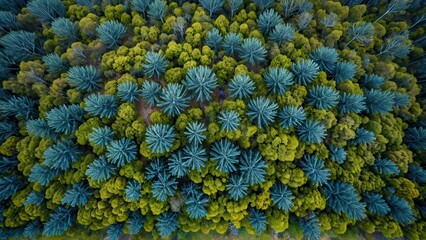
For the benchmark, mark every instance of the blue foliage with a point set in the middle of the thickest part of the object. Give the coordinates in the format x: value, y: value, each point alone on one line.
x: 121, y: 151
x: 165, y: 186
x: 157, y: 9
x: 416, y: 173
x: 268, y: 20
x: 135, y: 222
x: 46, y: 10
x: 326, y: 58
x: 231, y: 43
x: 323, y: 97
x: 362, y: 135
x: 101, y: 136
x: 234, y: 6
x: 196, y: 206
x: 237, y: 187
x: 310, y: 227
x: 61, y: 155
x: 229, y: 120
x: 226, y: 154
x: 140, y: 6
x: 18, y: 107
x: 85, y: 78
x: 8, y: 163
x: 54, y: 63
x: 176, y: 164
x: 155, y: 64
x: 154, y: 168
x: 337, y: 154
x: 100, y: 169
x: 9, y: 185
x: 7, y: 129
x: 291, y: 116
x: 194, y: 156
x: 65, y: 29
x: 133, y: 190
x: 160, y: 137
x: 20, y: 45
x: 252, y: 167
x: 212, y: 6
x: 342, y: 197
x: 314, y: 168
x: 60, y: 221
x: 33, y: 229
x: 173, y: 99
x: 378, y: 101
x: 195, y: 132
x: 400, y: 99
x: 258, y: 220
x: 115, y: 231
x: 42, y: 174
x: 281, y: 196
x: 77, y: 195
x: 385, y: 166
x: 415, y: 138
x: 375, y: 203
x: 262, y: 110
x: 278, y: 80
x: 201, y: 81
x: 400, y: 210
x: 241, y: 86
x: 214, y: 39
x: 109, y: 32
x: 252, y: 51
x: 344, y: 71
x: 282, y: 33
x: 311, y: 132
x: 13, y: 6
x: 128, y: 91
x: 35, y: 198
x: 191, y: 189
x: 351, y: 103
x: 101, y: 105
x: 8, y: 21
x: 167, y: 223
x: 233, y: 231
x: 372, y: 81
x: 151, y: 92
x: 264, y: 4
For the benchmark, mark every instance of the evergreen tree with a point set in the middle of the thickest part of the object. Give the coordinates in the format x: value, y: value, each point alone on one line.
x: 282, y: 33
x: 226, y: 154
x: 121, y: 151
x: 115, y: 231
x: 264, y: 4
x: 46, y: 10
x: 360, y: 31
x: 314, y: 168
x: 262, y: 110
x: 214, y: 39
x: 375, y: 203
x: 212, y: 6
x: 84, y: 78
x: 101, y: 136
x: 7, y: 129
x: 291, y: 116
x: 157, y: 10
x: 305, y: 71
x: 311, y: 132
x: 372, y: 81
x: 234, y: 6
x: 8, y: 163
x: 9, y: 185
x: 35, y: 198
x: 229, y: 120
x: 33, y: 229
x: 416, y: 174
x: 385, y: 166
x: 258, y: 220
x: 241, y: 86
x: 128, y: 91
x: 237, y: 187
x: 400, y: 99
x: 282, y: 197
x: 20, y: 45
x: 167, y: 223
x: 133, y: 190
x: 326, y: 58
x: 104, y: 106
x: 268, y: 20
x: 140, y: 6
x: 61, y: 155
x: 165, y: 186
x: 323, y: 97
x: 252, y: 167
x: 54, y: 63
x: 135, y: 222
x: 60, y: 221
x: 252, y: 51
x: 155, y: 64
x: 42, y: 174
x: 173, y: 99
x: 176, y: 165
x: 160, y: 137
x: 151, y: 92
x: 400, y: 210
x: 201, y: 81
x: 77, y: 195
x: 232, y: 41
x: 8, y: 21
x: 337, y: 154
x: 278, y: 80
x: 362, y: 135
x: 378, y: 101
x: 415, y: 138
x: 344, y: 71
x: 18, y: 107
x: 65, y: 29
x: 196, y: 206
x: 100, y: 169
x: 195, y: 132
x: 109, y: 32
x: 351, y: 103
x: 194, y: 156
x: 310, y: 227
x: 154, y: 168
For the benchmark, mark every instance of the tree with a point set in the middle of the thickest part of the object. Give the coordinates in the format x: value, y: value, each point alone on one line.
x: 212, y: 6
x: 7, y: 129
x: 303, y: 20
x: 135, y: 222
x: 375, y: 203
x: 281, y: 196
x: 351, y: 103
x: 43, y: 174
x: 337, y: 154
x: 194, y: 156
x: 115, y: 231
x: 121, y: 151
x: 417, y: 174
x: 241, y: 86
x: 201, y: 81
x: 395, y: 6
x: 155, y: 64
x: 33, y: 229
x: 173, y: 99
x: 264, y: 4
x: 100, y: 169
x: 157, y: 10
x: 372, y: 81
x: 60, y: 221
x: 282, y: 33
x: 196, y: 206
x: 160, y: 137
x: 176, y: 165
x: 46, y: 10
x: 140, y: 6
x: 151, y: 92
x: 305, y: 71
x: 323, y: 97
x: 326, y: 58
x: 20, y: 45
x: 195, y: 132
x: 291, y: 116
x: 378, y: 101
x: 77, y: 195
x: 234, y: 6
x: 311, y: 132
x: 21, y: 106
x: 252, y: 167
x: 278, y: 80
x: 263, y: 110
x: 101, y: 136
x: 415, y: 138
x: 315, y: 170
x: 214, y: 39
x: 110, y: 32
x: 165, y: 186
x: 101, y: 105
x: 128, y: 91
x: 330, y: 20
x: 385, y: 166
x: 231, y: 43
x: 363, y: 135
x: 190, y: 189
x: 54, y: 63
x: 310, y: 227
x: 258, y: 220
x: 360, y: 31
x: 400, y: 211
x: 252, y: 51
x: 237, y: 187
x: 167, y: 223
x: 229, y: 120
x: 344, y: 71
x: 133, y: 190
x: 400, y: 99
x: 154, y: 168
x: 226, y: 155
x: 8, y: 21
x: 268, y: 20
x: 396, y: 46
x: 65, y: 29
x: 8, y: 163
x: 61, y: 155
x: 9, y: 185
x: 86, y: 78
